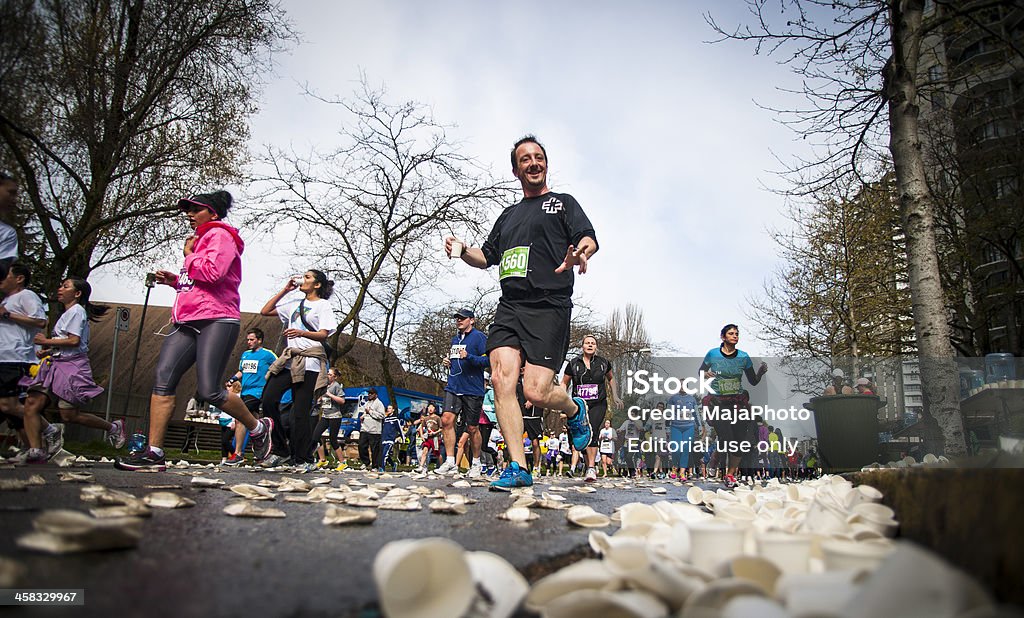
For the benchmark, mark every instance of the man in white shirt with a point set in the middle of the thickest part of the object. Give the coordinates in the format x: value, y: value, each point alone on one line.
x: 22, y: 316
x: 8, y: 236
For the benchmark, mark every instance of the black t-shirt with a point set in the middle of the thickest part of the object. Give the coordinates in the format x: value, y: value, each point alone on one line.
x: 528, y: 242
x: 589, y: 384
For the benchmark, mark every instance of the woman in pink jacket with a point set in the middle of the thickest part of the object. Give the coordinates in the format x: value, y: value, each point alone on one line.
x: 206, y: 320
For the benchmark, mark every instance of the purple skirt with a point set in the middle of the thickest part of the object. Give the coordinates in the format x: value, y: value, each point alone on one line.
x: 69, y: 378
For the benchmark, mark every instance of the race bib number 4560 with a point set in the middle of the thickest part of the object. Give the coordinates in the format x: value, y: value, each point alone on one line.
x: 514, y: 262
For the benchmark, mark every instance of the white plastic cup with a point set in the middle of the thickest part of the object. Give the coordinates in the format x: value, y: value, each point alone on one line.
x: 457, y: 248
x: 714, y: 542
x: 423, y: 578
x: 790, y: 552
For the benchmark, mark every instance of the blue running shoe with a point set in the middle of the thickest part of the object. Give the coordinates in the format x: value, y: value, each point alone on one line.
x: 513, y: 476
x: 579, y: 426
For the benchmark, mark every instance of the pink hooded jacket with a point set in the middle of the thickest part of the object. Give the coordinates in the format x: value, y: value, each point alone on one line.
x: 208, y: 283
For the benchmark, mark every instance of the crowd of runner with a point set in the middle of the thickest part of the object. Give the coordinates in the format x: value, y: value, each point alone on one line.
x: 501, y: 386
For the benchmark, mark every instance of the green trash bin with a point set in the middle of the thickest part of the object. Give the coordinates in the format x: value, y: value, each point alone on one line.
x: 847, y: 427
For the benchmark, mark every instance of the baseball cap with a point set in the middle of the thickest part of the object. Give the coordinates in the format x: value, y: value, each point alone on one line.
x: 837, y: 373
x: 862, y: 382
x: 464, y: 313
x: 219, y: 202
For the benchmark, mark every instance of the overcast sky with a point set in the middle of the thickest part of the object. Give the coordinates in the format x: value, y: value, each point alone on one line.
x: 654, y: 131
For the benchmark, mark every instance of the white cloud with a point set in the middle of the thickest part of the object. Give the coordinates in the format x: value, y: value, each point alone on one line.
x: 653, y: 130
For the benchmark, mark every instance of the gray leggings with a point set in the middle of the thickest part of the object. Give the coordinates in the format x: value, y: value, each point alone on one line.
x: 207, y: 344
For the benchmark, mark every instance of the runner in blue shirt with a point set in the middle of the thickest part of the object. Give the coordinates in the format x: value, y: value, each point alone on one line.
x: 728, y: 365
x: 252, y: 372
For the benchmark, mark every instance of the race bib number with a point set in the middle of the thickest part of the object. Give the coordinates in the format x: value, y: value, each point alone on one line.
x: 250, y: 366
x: 185, y: 283
x: 456, y: 350
x: 606, y: 447
x: 586, y: 391
x: 514, y: 262
x: 727, y: 386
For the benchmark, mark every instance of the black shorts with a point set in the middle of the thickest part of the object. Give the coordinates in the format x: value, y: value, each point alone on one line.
x: 540, y: 331
x: 596, y: 410
x: 533, y: 426
x: 466, y: 408
x: 252, y: 404
x: 733, y: 431
x: 10, y: 374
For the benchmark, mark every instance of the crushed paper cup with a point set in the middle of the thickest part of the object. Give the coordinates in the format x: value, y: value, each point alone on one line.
x: 586, y: 517
x: 423, y: 578
x: 339, y: 516
x: 168, y: 500
x: 504, y: 588
x: 65, y: 531
x: 245, y: 508
x: 518, y: 514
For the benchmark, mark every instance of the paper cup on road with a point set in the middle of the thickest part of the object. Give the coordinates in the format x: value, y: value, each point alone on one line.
x: 790, y: 552
x: 504, y: 585
x: 844, y: 555
x: 457, y: 247
x: 862, y: 494
x: 423, y: 577
x: 714, y: 542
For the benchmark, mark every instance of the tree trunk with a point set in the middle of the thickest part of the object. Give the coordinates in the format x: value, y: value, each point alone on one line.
x: 939, y: 378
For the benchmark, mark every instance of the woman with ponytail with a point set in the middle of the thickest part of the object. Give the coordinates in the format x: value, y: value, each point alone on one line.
x: 302, y: 367
x: 65, y: 376
x: 206, y: 319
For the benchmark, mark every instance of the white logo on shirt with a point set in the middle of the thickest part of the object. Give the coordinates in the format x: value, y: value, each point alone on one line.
x: 551, y: 206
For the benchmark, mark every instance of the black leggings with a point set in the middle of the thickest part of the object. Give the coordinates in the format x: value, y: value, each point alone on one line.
x: 227, y: 434
x: 299, y: 444
x: 596, y: 411
x: 333, y: 425
x: 207, y: 344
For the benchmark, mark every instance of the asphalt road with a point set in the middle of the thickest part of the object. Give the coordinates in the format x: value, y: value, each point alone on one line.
x: 200, y: 562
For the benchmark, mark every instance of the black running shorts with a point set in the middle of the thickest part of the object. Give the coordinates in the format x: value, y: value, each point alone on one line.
x: 540, y: 331
x: 465, y: 407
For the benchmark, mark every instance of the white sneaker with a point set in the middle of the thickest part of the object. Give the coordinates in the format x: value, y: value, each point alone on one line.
x: 54, y: 441
x: 475, y: 471
x: 590, y: 476
x: 117, y: 435
x: 448, y: 467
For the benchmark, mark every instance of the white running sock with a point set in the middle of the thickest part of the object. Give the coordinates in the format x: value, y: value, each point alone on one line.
x: 157, y: 451
x: 476, y: 461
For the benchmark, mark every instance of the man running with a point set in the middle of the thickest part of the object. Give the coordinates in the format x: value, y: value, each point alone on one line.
x: 22, y: 317
x: 8, y: 235
x: 252, y: 372
x: 585, y: 377
x: 535, y: 243
x: 464, y: 393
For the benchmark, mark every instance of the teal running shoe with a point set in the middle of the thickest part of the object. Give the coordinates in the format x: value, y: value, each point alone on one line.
x: 513, y: 476
x: 579, y: 426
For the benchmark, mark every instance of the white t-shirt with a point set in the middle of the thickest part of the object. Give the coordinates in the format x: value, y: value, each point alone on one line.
x: 16, y: 340
x: 319, y: 315
x: 553, y: 444
x: 8, y: 242
x: 74, y: 321
x: 563, y: 443
x: 607, y: 440
x: 658, y: 427
x: 629, y: 429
